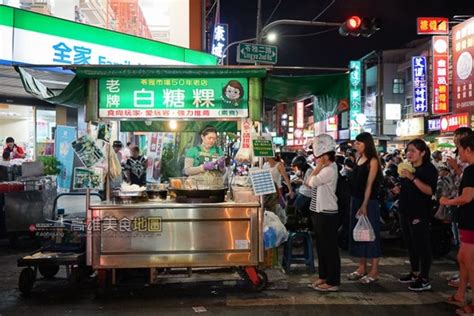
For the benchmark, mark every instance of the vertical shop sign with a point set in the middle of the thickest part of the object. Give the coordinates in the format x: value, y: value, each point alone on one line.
x: 463, y: 74
x: 440, y: 74
x: 219, y: 40
x: 299, y: 115
x: 420, y: 87
x: 355, y: 81
x: 64, y: 152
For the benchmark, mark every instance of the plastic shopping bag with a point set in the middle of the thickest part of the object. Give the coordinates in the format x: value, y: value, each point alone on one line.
x: 274, y: 232
x: 363, y: 231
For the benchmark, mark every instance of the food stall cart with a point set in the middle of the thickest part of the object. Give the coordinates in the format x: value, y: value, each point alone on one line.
x: 167, y: 234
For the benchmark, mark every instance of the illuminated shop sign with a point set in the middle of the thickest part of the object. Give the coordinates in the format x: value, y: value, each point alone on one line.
x: 420, y: 87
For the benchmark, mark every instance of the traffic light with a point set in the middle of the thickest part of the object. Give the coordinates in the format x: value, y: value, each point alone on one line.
x: 357, y: 26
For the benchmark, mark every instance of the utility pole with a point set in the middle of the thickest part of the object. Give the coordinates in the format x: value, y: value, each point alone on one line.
x: 259, y: 22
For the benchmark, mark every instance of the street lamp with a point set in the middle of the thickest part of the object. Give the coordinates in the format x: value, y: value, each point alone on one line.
x: 271, y: 37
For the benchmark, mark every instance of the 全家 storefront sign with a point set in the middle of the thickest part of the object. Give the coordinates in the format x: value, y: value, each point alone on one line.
x: 420, y: 86
x: 173, y: 98
x: 432, y: 25
x: 463, y: 71
x: 440, y: 74
x: 450, y: 123
x: 33, y: 38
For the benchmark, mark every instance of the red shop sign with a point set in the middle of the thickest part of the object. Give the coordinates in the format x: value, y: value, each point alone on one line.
x: 450, y: 123
x: 432, y: 26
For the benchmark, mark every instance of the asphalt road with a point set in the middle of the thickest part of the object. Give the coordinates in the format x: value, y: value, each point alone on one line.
x: 221, y: 292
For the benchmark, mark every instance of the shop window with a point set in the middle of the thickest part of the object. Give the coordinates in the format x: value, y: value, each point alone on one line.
x: 398, y: 86
x: 45, y: 128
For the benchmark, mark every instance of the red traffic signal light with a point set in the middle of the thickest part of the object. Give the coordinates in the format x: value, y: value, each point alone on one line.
x: 353, y: 23
x: 356, y: 26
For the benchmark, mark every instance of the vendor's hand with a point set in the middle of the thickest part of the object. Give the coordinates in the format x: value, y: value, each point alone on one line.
x: 443, y: 200
x: 362, y: 211
x: 209, y: 165
x: 221, y: 163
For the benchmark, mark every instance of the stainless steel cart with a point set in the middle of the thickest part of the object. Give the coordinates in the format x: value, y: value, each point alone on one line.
x: 175, y: 235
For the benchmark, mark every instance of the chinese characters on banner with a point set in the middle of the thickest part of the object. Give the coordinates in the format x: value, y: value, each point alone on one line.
x: 450, y: 123
x: 440, y: 74
x: 246, y: 133
x: 173, y: 98
x: 463, y: 74
x: 355, y: 82
x: 420, y: 86
x: 432, y: 26
x: 219, y: 40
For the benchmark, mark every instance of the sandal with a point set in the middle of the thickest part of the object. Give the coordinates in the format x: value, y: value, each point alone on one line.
x: 355, y: 276
x: 316, y: 283
x: 453, y: 301
x: 326, y: 288
x: 368, y: 279
x: 465, y: 310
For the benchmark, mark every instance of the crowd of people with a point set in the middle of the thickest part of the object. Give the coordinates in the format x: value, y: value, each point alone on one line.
x: 426, y: 184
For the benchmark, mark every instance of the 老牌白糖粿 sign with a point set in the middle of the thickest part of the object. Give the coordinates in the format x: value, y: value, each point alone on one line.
x: 256, y: 53
x: 173, y: 98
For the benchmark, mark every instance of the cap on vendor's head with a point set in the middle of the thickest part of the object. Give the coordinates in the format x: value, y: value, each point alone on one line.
x: 117, y: 143
x: 9, y: 140
x: 322, y: 144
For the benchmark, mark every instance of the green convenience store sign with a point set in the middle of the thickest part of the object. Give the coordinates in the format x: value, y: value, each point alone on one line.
x: 175, y: 98
x: 33, y: 38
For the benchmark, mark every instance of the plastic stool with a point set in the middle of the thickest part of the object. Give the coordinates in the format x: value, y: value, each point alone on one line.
x: 307, y: 257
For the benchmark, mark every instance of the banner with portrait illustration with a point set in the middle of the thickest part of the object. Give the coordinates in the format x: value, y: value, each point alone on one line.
x: 173, y: 98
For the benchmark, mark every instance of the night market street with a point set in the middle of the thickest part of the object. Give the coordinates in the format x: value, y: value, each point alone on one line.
x: 180, y: 296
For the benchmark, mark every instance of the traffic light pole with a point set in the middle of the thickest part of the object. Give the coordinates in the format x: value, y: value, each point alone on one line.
x: 267, y: 27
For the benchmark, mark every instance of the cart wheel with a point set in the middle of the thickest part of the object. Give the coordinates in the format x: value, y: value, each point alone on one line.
x: 256, y: 278
x: 48, y: 271
x: 26, y: 281
x: 263, y: 278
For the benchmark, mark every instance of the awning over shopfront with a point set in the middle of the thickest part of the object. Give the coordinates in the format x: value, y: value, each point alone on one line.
x: 29, y: 38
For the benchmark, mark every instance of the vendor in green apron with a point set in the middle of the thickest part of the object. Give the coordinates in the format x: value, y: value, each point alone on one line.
x: 207, y: 158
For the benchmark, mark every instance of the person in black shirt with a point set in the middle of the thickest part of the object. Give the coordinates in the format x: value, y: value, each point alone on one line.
x: 135, y: 167
x: 465, y: 201
x: 415, y: 209
x: 364, y: 202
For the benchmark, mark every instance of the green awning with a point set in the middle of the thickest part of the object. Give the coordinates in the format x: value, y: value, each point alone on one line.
x: 182, y: 126
x: 293, y: 88
x: 170, y: 72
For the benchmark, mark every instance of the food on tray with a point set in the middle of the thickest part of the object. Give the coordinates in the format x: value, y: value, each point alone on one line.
x: 125, y: 187
x: 405, y: 166
x: 176, y: 183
